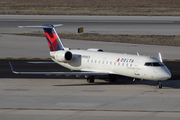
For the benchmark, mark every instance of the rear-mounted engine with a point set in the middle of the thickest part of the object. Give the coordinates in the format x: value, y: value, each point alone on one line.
x: 62, y: 56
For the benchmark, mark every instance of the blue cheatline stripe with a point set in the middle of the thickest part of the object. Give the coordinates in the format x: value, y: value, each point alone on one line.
x: 50, y: 44
x: 59, y: 47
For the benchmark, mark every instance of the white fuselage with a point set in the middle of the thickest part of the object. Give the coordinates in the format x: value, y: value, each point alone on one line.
x: 135, y: 66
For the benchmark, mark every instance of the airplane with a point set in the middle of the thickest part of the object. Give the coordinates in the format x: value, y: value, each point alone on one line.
x: 94, y: 62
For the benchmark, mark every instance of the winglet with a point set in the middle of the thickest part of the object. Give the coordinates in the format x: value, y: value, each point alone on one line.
x: 12, y: 68
x: 160, y: 57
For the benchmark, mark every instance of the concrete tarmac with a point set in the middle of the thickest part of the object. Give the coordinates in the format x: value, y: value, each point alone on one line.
x: 70, y: 98
x: 74, y: 99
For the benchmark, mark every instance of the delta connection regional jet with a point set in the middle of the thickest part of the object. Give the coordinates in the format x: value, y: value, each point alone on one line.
x: 93, y: 62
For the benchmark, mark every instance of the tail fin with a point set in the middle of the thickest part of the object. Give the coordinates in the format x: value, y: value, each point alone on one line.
x: 52, y: 37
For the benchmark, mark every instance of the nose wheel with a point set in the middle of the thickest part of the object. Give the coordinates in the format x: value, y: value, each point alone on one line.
x: 90, y: 79
x: 159, y: 84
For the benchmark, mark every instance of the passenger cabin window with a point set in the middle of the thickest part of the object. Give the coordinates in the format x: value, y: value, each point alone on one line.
x: 155, y: 64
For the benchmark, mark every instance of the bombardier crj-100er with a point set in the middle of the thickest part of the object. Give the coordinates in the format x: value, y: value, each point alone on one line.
x: 93, y: 62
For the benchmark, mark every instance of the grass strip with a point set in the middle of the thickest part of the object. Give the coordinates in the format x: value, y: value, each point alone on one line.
x: 91, y: 7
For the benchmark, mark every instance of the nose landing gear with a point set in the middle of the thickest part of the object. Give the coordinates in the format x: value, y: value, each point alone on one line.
x: 90, y: 79
x: 159, y: 84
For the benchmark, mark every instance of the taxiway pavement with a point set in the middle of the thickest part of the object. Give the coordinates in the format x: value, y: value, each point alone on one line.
x: 141, y: 25
x: 74, y: 99
x: 36, y: 47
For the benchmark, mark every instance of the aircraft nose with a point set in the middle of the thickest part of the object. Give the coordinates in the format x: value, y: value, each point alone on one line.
x: 166, y: 74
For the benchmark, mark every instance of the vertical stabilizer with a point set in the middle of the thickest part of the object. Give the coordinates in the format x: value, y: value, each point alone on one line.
x: 52, y: 37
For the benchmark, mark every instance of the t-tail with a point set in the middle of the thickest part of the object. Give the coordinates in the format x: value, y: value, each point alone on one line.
x: 52, y: 37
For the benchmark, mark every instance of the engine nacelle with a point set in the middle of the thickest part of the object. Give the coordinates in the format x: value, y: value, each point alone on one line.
x: 95, y: 49
x: 62, y: 56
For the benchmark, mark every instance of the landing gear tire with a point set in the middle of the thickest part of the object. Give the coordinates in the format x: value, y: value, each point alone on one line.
x: 90, y: 79
x: 159, y: 84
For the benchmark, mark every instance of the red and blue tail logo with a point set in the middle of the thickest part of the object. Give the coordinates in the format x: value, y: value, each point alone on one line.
x: 53, y: 39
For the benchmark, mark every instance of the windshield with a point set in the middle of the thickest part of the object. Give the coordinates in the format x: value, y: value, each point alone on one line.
x: 156, y: 64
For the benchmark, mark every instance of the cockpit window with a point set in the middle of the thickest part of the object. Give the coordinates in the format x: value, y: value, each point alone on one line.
x: 148, y: 64
x: 156, y: 64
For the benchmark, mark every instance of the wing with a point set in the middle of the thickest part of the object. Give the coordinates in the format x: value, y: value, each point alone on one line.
x: 60, y: 73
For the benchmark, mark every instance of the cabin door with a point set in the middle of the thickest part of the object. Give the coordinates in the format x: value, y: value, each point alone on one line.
x: 137, y: 69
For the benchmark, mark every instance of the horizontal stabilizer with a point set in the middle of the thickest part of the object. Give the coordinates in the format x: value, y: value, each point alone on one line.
x: 53, y: 39
x: 43, y: 26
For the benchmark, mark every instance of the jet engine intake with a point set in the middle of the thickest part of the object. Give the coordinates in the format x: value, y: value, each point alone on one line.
x: 63, y: 56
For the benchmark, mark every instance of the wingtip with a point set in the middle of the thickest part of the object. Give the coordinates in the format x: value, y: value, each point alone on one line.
x: 12, y: 68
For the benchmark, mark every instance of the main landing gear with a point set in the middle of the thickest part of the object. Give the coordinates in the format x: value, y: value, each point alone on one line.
x: 90, y: 79
x: 159, y: 84
x: 112, y: 79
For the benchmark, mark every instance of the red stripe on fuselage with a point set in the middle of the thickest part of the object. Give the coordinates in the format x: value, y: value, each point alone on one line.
x: 54, y: 41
